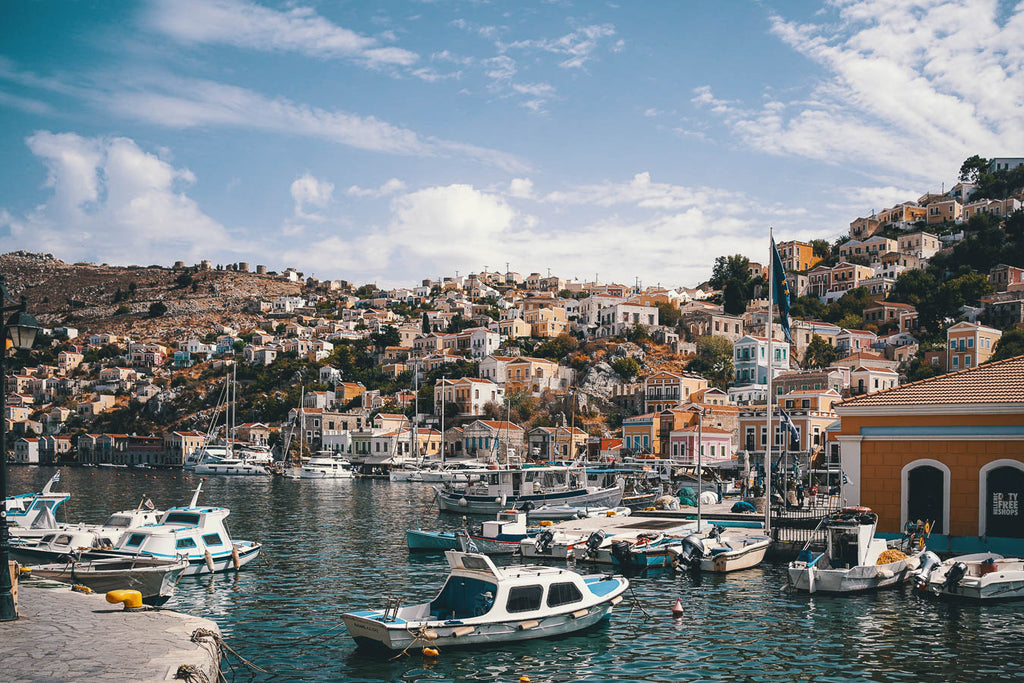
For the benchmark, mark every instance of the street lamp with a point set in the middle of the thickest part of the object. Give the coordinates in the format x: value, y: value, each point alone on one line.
x: 700, y: 452
x: 22, y: 329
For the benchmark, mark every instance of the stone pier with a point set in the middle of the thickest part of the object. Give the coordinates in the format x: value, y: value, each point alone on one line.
x: 62, y: 635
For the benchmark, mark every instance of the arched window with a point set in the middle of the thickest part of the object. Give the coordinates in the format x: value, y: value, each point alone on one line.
x: 925, y: 494
x: 1001, y: 490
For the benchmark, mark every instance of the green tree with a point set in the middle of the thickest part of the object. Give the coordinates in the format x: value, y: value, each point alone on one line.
x: 821, y: 248
x: 558, y: 347
x: 714, y: 360
x: 972, y: 168
x: 806, y: 308
x: 1011, y: 344
x: 425, y: 323
x: 732, y: 275
x: 668, y: 315
x: 819, y: 353
x: 626, y: 367
x: 157, y: 309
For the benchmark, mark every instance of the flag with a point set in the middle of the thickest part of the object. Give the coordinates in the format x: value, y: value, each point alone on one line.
x: 781, y: 288
x: 846, y: 479
x: 56, y: 477
x: 149, y: 504
x: 787, y: 423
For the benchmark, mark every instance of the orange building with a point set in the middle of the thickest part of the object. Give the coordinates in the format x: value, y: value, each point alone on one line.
x: 949, y: 449
x: 798, y: 256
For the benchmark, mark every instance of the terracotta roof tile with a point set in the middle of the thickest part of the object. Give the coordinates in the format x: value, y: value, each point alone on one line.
x: 999, y: 382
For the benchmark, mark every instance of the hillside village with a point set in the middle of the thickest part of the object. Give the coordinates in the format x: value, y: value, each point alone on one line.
x: 135, y: 360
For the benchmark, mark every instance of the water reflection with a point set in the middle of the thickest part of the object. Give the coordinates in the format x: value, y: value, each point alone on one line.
x: 339, y: 545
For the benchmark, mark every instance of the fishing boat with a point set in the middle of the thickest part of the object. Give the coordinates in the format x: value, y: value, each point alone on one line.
x: 420, y: 540
x: 154, y: 578
x: 481, y: 603
x: 850, y: 558
x: 198, y: 533
x: 105, y: 534
x: 29, y: 510
x: 57, y: 546
x: 723, y: 550
x: 511, y: 487
x: 980, y: 576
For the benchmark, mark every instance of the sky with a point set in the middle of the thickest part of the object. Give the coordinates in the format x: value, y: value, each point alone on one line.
x: 389, y: 142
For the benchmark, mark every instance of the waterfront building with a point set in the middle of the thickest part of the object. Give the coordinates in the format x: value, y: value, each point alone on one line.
x: 949, y: 449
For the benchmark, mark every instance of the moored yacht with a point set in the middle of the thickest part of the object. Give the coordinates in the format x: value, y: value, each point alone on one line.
x: 511, y: 487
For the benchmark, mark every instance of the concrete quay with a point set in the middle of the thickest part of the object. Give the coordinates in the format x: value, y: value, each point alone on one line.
x: 63, y: 635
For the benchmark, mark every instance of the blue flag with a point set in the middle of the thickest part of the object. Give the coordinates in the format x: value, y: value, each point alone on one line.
x: 781, y: 288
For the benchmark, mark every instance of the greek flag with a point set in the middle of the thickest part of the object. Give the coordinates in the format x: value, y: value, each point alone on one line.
x: 787, y: 423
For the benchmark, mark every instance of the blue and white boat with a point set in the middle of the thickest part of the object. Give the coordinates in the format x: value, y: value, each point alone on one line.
x: 481, y: 603
x: 197, y: 533
x: 431, y: 541
x: 35, y: 510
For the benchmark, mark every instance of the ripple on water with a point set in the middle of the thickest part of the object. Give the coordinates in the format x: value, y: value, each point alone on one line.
x: 335, y: 546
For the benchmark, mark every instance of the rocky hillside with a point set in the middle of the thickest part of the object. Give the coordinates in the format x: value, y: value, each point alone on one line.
x: 117, y: 299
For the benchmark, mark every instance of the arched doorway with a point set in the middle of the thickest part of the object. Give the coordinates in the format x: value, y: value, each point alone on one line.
x: 926, y: 488
x: 1003, y: 497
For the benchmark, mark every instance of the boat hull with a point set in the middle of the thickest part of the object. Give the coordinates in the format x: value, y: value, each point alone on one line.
x: 431, y: 541
x: 735, y: 560
x: 485, y: 505
x: 1004, y: 582
x: 855, y: 579
x: 155, y: 580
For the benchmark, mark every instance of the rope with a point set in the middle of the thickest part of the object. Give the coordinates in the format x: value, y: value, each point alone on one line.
x: 191, y: 673
x: 416, y: 637
x: 218, y: 640
x: 636, y: 604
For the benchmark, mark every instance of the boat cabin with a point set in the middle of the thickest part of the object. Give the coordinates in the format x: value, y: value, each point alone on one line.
x: 529, y: 481
x: 849, y: 536
x: 509, y: 522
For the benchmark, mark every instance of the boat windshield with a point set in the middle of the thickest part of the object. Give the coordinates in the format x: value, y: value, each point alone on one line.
x: 463, y: 597
x: 181, y: 518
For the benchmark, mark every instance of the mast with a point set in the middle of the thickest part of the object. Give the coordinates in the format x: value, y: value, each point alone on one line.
x: 442, y: 419
x: 700, y: 462
x: 413, y: 449
x: 768, y: 389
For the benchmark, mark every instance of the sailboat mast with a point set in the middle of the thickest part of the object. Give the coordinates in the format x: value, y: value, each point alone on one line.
x: 768, y: 389
x: 442, y: 419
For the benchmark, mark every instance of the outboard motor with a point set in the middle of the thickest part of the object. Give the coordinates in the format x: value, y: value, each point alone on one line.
x: 692, y: 552
x: 527, y: 506
x: 953, y: 576
x: 544, y: 541
x: 594, y: 542
x: 929, y: 561
x: 621, y: 552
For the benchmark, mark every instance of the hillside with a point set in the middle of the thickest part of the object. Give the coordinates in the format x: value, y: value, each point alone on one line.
x: 116, y: 299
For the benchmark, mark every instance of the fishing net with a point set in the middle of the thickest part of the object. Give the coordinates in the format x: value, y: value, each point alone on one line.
x: 891, y: 555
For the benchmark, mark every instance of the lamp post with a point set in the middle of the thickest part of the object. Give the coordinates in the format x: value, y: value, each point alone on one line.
x: 22, y: 329
x: 700, y: 460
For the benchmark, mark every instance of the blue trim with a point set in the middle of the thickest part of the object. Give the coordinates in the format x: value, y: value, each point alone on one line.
x: 945, y: 430
x: 964, y: 545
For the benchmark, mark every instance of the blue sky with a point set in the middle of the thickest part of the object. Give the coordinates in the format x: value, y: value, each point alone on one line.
x: 393, y: 141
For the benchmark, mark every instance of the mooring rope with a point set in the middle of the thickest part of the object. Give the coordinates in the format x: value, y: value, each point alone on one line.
x: 219, y: 641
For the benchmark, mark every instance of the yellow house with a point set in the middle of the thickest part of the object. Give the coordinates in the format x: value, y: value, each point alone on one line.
x: 949, y: 450
x: 969, y: 345
x: 638, y: 434
x: 546, y: 322
x: 531, y: 376
x: 514, y: 328
x: 798, y: 255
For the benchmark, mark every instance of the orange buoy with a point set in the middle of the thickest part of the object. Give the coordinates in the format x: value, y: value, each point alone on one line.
x: 677, y: 609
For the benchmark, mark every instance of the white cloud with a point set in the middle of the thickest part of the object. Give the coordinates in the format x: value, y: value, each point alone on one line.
x: 311, y: 194
x: 390, y: 187
x: 912, y: 87
x: 521, y: 188
x: 578, y: 47
x: 248, y: 25
x: 188, y: 103
x: 674, y: 238
x: 112, y: 201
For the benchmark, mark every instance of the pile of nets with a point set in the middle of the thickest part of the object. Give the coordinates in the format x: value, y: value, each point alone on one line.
x: 687, y: 496
x: 891, y: 555
x: 743, y: 506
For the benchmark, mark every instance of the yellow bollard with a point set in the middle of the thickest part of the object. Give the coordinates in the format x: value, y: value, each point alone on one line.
x: 132, y: 599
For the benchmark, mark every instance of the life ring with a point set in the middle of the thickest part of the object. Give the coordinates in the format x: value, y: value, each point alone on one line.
x: 509, y: 512
x: 856, y: 509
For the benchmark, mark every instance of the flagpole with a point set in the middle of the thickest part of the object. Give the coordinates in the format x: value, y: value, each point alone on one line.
x: 768, y: 389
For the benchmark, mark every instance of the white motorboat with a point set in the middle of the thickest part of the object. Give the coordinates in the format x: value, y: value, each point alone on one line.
x: 723, y: 550
x: 852, y: 559
x: 552, y: 544
x: 155, y: 579
x: 239, y: 463
x: 29, y: 510
x: 111, y: 528
x: 980, y: 576
x: 512, y: 487
x: 198, y: 533
x: 58, y: 546
x: 323, y: 467
x: 481, y: 603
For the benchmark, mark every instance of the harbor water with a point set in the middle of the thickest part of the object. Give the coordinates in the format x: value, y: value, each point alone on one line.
x: 336, y: 546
